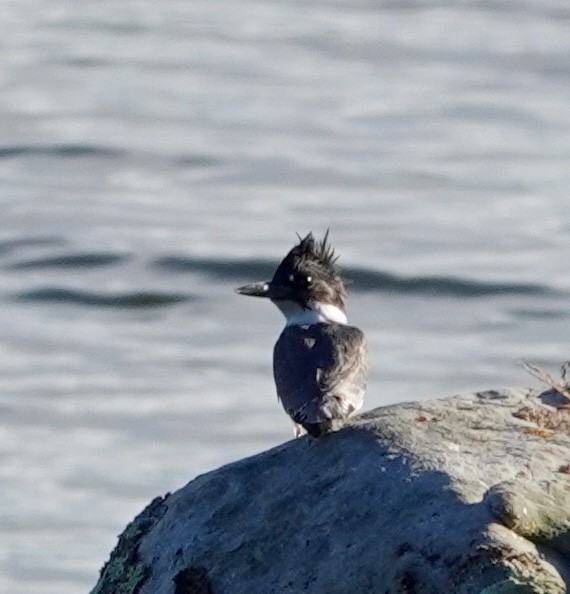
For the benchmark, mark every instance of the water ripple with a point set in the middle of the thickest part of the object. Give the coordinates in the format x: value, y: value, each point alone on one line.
x: 10, y: 245
x: 223, y: 269
x: 61, y: 150
x: 540, y: 314
x: 88, y: 260
x: 197, y: 160
x: 360, y: 279
x: 186, y: 160
x: 370, y: 280
x: 133, y: 300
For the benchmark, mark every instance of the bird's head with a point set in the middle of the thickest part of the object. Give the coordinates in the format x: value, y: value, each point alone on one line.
x: 306, y: 286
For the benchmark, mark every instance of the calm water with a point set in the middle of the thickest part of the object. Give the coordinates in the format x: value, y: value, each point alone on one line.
x: 153, y: 156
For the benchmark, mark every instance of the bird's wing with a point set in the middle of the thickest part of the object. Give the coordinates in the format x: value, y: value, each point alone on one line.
x: 344, y: 379
x: 320, y: 371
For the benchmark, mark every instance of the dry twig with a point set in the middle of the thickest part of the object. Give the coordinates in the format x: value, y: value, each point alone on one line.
x: 545, y: 377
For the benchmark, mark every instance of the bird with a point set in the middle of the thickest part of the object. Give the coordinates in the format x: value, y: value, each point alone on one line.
x: 320, y: 362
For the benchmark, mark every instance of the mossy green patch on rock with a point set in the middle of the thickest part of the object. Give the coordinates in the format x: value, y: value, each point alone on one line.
x: 124, y: 573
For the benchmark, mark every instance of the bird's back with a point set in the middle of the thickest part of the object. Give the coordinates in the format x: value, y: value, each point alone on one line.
x: 320, y: 373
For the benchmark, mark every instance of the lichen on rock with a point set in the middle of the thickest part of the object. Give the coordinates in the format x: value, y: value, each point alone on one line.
x: 125, y: 573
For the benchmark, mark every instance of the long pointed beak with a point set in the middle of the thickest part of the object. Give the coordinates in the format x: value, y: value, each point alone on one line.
x: 261, y: 289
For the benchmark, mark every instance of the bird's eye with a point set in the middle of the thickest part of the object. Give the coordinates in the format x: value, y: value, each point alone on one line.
x: 300, y: 279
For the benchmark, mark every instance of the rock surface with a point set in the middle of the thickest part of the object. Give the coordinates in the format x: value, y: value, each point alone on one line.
x: 463, y: 495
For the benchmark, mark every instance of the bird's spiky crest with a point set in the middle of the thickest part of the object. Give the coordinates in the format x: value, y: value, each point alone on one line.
x: 319, y: 251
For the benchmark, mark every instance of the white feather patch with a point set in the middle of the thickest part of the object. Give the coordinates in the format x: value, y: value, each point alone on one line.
x: 319, y: 312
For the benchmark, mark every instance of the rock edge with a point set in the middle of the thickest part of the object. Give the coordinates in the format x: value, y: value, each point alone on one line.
x: 466, y: 495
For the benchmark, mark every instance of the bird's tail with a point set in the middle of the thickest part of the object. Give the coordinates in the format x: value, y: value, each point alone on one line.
x: 319, y: 429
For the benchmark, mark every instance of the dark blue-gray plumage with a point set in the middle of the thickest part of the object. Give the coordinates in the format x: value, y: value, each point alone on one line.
x: 319, y: 362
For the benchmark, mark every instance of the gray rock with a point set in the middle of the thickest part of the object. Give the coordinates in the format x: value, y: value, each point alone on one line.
x: 464, y: 495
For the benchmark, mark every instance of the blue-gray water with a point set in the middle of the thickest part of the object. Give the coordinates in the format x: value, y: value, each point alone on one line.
x: 153, y: 156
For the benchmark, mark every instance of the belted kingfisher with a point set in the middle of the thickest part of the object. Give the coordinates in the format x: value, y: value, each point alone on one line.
x: 319, y: 362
